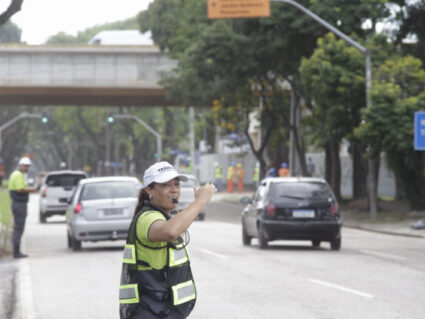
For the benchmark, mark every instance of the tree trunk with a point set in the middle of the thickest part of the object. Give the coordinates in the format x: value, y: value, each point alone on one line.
x: 359, y: 178
x: 328, y: 162
x: 335, y: 168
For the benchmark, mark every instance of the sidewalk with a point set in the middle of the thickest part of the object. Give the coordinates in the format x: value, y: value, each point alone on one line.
x: 386, y: 223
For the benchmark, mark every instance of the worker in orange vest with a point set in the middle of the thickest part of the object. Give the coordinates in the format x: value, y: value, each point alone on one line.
x: 240, y: 173
x: 230, y: 177
x: 283, y: 170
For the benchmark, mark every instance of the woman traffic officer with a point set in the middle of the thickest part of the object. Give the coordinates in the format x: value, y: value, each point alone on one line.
x: 156, y: 279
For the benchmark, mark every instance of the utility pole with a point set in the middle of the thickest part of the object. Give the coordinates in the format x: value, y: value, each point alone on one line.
x: 368, y: 69
x: 146, y: 126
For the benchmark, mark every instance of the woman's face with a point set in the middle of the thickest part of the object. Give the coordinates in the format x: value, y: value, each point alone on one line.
x: 162, y: 194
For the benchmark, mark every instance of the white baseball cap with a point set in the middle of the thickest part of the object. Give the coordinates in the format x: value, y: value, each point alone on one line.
x: 161, y: 172
x: 24, y: 161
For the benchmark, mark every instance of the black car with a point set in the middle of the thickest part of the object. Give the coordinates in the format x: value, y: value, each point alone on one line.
x: 301, y: 208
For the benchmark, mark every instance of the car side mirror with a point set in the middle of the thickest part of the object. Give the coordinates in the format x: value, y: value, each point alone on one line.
x: 245, y: 200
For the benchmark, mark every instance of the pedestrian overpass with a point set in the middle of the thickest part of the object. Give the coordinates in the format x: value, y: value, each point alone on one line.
x: 83, y: 75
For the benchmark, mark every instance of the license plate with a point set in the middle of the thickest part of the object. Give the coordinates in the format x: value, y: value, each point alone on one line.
x: 112, y: 212
x: 303, y: 213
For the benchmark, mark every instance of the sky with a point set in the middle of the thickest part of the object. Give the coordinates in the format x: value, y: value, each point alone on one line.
x: 39, y: 19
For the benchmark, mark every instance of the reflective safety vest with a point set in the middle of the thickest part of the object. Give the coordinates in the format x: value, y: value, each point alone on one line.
x: 169, y: 292
x: 231, y: 172
x: 218, y: 173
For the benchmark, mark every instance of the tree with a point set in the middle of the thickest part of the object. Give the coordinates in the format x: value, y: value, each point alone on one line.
x: 398, y: 92
x: 83, y: 37
x: 14, y: 7
x: 334, y: 77
x: 10, y: 33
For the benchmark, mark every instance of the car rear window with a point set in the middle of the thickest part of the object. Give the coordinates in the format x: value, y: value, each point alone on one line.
x: 104, y: 190
x: 301, y: 190
x: 188, y: 183
x: 64, y: 179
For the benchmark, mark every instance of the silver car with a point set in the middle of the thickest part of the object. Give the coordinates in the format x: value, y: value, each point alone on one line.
x: 187, y: 195
x: 101, y: 208
x: 55, y: 187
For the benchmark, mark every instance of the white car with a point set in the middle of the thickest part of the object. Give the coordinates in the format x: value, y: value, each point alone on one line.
x: 101, y: 208
x: 187, y: 195
x: 55, y: 187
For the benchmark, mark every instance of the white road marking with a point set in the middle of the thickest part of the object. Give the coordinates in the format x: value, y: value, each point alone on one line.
x: 328, y: 284
x: 209, y: 252
x: 25, y: 291
x: 380, y: 254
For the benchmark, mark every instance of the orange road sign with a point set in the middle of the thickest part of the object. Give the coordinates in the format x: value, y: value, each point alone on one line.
x: 220, y: 9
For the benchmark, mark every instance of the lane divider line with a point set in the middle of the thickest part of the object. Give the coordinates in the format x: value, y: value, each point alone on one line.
x: 356, y: 292
x: 381, y: 254
x: 209, y: 252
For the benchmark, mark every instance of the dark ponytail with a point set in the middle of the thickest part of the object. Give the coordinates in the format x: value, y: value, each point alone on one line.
x: 143, y: 196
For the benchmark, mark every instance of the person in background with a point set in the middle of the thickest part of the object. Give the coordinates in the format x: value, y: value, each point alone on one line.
x: 156, y: 275
x: 256, y: 175
x: 311, y: 169
x: 19, y: 193
x: 283, y: 170
x: 271, y: 172
x: 240, y: 174
x: 230, y: 177
x: 188, y: 169
x: 218, y: 176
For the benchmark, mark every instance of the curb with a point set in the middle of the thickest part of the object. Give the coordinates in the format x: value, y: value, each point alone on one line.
x: 386, y: 232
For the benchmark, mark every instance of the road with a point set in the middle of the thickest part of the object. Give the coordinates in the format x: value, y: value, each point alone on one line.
x: 373, y: 276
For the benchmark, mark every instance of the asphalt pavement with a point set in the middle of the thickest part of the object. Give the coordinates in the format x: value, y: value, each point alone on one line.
x: 387, y: 223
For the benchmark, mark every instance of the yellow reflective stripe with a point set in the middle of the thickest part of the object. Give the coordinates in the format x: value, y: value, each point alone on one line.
x: 183, y: 292
x: 129, y: 294
x: 129, y: 254
x: 178, y: 256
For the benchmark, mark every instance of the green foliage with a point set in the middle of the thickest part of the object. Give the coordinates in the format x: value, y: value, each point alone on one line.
x: 5, y: 208
x: 83, y: 37
x: 334, y: 78
x: 10, y: 33
x: 397, y: 93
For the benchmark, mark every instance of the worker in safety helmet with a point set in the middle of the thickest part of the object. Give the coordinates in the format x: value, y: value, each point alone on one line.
x: 283, y: 170
x: 19, y: 193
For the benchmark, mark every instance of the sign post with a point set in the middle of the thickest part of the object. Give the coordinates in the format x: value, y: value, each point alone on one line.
x: 220, y: 9
x: 420, y: 131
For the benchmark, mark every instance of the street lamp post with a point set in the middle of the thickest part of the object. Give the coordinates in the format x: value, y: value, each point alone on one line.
x: 150, y: 129
x: 13, y: 121
x: 366, y: 52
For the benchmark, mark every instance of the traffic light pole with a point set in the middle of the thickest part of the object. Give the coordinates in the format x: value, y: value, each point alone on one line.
x: 366, y: 52
x: 13, y: 121
x: 146, y: 126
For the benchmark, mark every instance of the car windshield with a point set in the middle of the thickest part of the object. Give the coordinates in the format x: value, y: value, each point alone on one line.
x: 300, y: 190
x: 188, y: 183
x: 104, y: 190
x: 64, y: 179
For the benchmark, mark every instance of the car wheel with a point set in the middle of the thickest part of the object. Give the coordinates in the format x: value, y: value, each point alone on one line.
x: 69, y: 241
x: 246, y: 240
x: 42, y: 218
x: 336, y: 244
x: 262, y: 241
x: 316, y: 243
x: 76, y: 244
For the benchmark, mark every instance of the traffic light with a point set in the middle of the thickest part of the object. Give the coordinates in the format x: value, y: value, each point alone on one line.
x: 44, y: 118
x: 110, y: 118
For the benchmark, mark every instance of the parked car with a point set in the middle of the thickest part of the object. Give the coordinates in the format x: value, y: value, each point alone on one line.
x: 101, y: 208
x: 187, y: 195
x: 56, y: 186
x: 292, y: 208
